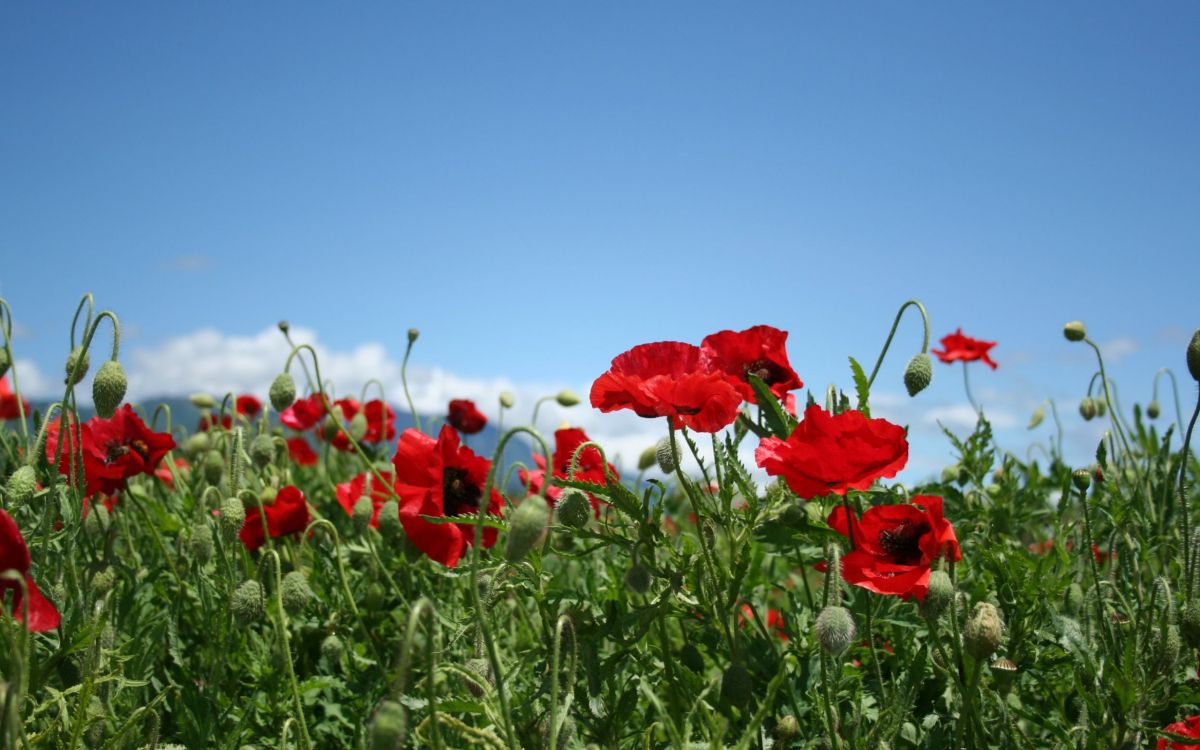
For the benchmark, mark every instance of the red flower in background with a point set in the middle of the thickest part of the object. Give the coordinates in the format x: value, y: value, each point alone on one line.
x: 381, y: 422
x: 895, y: 546
x: 8, y: 402
x: 829, y: 455
x: 590, y: 467
x: 774, y: 621
x: 14, y: 555
x: 957, y: 347
x: 248, y: 406
x: 756, y: 351
x: 303, y: 413
x: 114, y: 450
x: 164, y: 475
x: 287, y: 515
x: 464, y: 417
x: 442, y: 478
x: 1189, y: 727
x: 211, y: 420
x: 668, y: 379
x: 348, y: 494
x: 301, y: 452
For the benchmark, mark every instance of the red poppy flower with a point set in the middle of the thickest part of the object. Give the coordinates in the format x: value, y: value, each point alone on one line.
x: 381, y: 422
x: 774, y: 621
x: 14, y: 555
x: 114, y: 450
x: 828, y: 455
x: 1189, y: 727
x: 248, y: 406
x: 210, y: 420
x: 959, y: 347
x: 287, y: 515
x: 348, y: 494
x: 303, y: 413
x: 895, y: 546
x: 668, y: 379
x: 755, y: 351
x: 590, y: 467
x: 465, y: 417
x: 164, y: 475
x: 442, y: 478
x: 301, y: 452
x: 8, y: 402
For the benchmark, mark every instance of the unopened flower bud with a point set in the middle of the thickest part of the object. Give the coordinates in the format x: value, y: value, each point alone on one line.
x: 413, y: 333
x: 77, y: 358
x: 332, y: 648
x: 1165, y: 645
x: 98, y: 520
x: 648, y: 458
x: 361, y: 517
x: 358, y: 426
x: 262, y: 450
x: 103, y: 581
x: 214, y: 466
x: 333, y: 425
x: 1193, y: 356
x: 202, y: 401
x: 1074, y: 331
x: 295, y: 592
x: 1087, y: 408
x: 200, y: 543
x: 1189, y: 623
x: 266, y: 496
x: 526, y: 527
x: 737, y: 686
x: 665, y: 456
x: 247, y: 602
x: 787, y: 729
x: 983, y: 631
x: 573, y: 509
x: 389, y: 725
x: 283, y: 391
x: 1101, y: 406
x: 389, y: 520
x: 21, y: 486
x: 108, y: 388
x: 283, y: 326
x: 949, y: 474
x: 835, y: 629
x: 567, y: 398
x: 507, y: 399
x: 233, y: 515
x: 197, y: 444
x: 1153, y: 410
x: 939, y: 596
x: 1073, y: 599
x: 637, y: 578
x: 1038, y: 415
x: 1082, y: 478
x: 691, y: 658
x: 918, y: 374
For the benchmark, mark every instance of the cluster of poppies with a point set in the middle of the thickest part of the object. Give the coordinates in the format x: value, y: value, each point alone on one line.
x: 113, y: 450
x: 703, y: 388
x: 11, y: 404
x: 372, y: 422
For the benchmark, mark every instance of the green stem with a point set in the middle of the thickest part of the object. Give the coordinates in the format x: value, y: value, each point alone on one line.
x: 404, y: 382
x: 892, y: 333
x: 967, y: 386
x: 1185, y: 512
x: 423, y: 606
x: 6, y: 326
x: 280, y: 620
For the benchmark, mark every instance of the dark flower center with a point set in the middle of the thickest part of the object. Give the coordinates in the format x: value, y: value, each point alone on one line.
x: 765, y: 370
x: 902, y: 542
x: 116, y: 450
x: 459, y: 495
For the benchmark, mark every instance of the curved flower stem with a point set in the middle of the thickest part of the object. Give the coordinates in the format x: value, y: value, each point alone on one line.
x: 404, y: 382
x: 1174, y: 388
x: 555, y: 658
x: 423, y: 606
x: 1112, y: 408
x: 280, y: 621
x: 362, y: 394
x: 1088, y: 543
x: 1184, y: 510
x: 1058, y: 428
x: 892, y: 333
x: 967, y: 387
x: 6, y: 327
x: 303, y: 365
x: 869, y: 627
x: 537, y: 406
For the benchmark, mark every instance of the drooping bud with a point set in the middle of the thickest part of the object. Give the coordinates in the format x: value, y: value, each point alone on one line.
x: 361, y: 517
x: 737, y: 686
x: 1153, y: 410
x: 1074, y: 331
x: 1189, y: 623
x: 78, y: 357
x: 939, y: 596
x: 202, y: 401
x: 1038, y: 415
x: 247, y: 602
x: 637, y: 578
x: 918, y: 374
x: 389, y: 725
x: 1087, y: 408
x: 108, y: 388
x: 21, y: 486
x: 358, y: 426
x: 648, y: 458
x: 1082, y: 478
x: 566, y: 732
x: 526, y: 527
x: 413, y: 333
x: 283, y: 391
x: 332, y: 648
x: 1073, y: 599
x: 1193, y: 356
x: 1101, y: 406
x: 567, y: 398
x: 835, y: 629
x: 983, y: 631
x: 1164, y: 647
x: 262, y: 450
x: 197, y: 444
x: 266, y: 496
x: 573, y: 509
x: 98, y: 520
x: 389, y: 520
x: 103, y: 581
x: 665, y: 456
x: 214, y: 466
x: 233, y: 515
x: 295, y: 592
x: 333, y: 425
x: 507, y: 399
x: 200, y: 543
x: 283, y: 326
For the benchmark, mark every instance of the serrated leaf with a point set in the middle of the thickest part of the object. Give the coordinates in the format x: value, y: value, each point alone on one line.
x: 778, y: 421
x: 861, y: 387
x: 1102, y: 453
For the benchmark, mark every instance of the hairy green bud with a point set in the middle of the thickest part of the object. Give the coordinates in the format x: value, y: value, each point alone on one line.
x: 637, y: 578
x: 984, y: 631
x: 214, y: 466
x: 98, y: 521
x: 1164, y: 647
x: 247, y: 603
x: 5, y: 362
x: 787, y: 729
x: 1073, y: 599
x: 1087, y: 408
x: 1193, y: 356
x: 665, y: 456
x: 233, y: 516
x: 737, y: 686
x: 262, y: 450
x: 21, y: 486
x: 567, y: 398
x: 1074, y: 331
x: 108, y: 388
x: 1082, y: 479
x: 573, y: 509
x: 389, y: 520
x: 918, y: 374
x: 1039, y: 414
x: 361, y: 515
x: 283, y: 391
x: 332, y: 648
x: 1101, y: 406
x: 1153, y: 410
x: 481, y: 677
x: 939, y: 597
x: 691, y: 658
x: 77, y: 358
x: 203, y: 401
x: 389, y: 726
x: 295, y: 592
x: 526, y: 527
x: 197, y: 444
x: 413, y: 333
x: 200, y: 544
x: 648, y: 458
x: 103, y: 581
x: 835, y: 629
x: 1189, y: 623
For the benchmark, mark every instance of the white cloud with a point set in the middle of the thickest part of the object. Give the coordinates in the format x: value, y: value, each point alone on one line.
x: 33, y: 382
x: 1118, y: 348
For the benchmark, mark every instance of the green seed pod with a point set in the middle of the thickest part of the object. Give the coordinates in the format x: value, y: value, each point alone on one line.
x: 283, y: 391
x: 939, y: 597
x: 214, y: 466
x: 1153, y: 410
x: 1189, y: 623
x: 665, y: 456
x: 918, y: 374
x: 108, y: 388
x: 526, y: 527
x: 1073, y: 599
x: 203, y: 401
x: 361, y: 517
x: 573, y: 509
x: 332, y: 648
x: 567, y: 398
x: 197, y: 444
x: 787, y: 729
x: 103, y: 581
x: 1193, y: 356
x: 80, y: 357
x: 388, y: 728
x: 233, y: 516
x: 295, y: 592
x: 21, y: 486
x: 389, y: 520
x: 638, y: 579
x: 1087, y: 408
x: 1082, y: 479
x: 1101, y: 407
x: 97, y: 522
x: 247, y: 603
x: 835, y: 629
x: 691, y: 658
x: 413, y: 333
x: 262, y: 450
x: 507, y: 399
x: 200, y: 544
x: 1074, y: 331
x: 984, y: 631
x: 737, y: 686
x: 648, y: 458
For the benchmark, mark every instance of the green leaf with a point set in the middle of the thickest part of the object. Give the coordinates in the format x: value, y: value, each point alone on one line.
x: 778, y: 420
x: 861, y: 387
x: 1102, y: 454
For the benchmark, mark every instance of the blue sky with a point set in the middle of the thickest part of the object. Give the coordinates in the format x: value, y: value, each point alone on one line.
x: 540, y: 186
